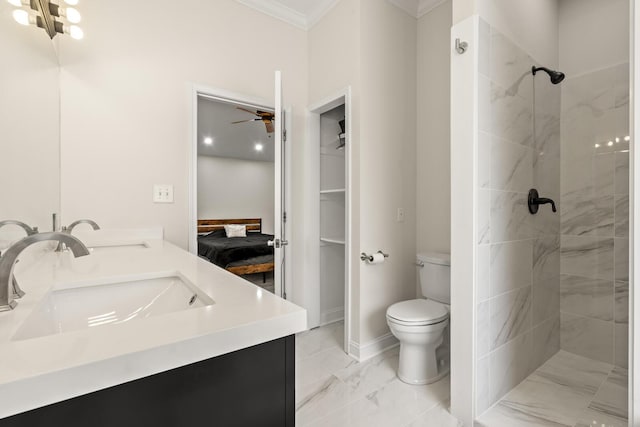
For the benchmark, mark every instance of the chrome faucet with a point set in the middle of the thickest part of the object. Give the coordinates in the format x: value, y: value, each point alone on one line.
x: 93, y: 224
x: 26, y: 228
x: 8, y: 260
x: 68, y: 229
x: 17, y: 292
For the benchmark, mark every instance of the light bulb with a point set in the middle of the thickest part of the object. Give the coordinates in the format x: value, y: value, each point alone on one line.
x: 74, y: 31
x: 21, y: 16
x: 259, y: 147
x: 71, y: 2
x: 72, y: 15
x: 208, y: 140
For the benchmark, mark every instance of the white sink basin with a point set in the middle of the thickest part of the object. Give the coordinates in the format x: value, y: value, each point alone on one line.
x: 83, y: 307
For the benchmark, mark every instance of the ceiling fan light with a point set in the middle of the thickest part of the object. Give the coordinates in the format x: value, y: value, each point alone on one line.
x: 74, y: 31
x: 71, y: 14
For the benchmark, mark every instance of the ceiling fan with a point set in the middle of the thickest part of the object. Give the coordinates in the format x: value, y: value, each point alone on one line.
x: 263, y: 116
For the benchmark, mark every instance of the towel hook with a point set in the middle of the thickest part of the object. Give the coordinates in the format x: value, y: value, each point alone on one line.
x: 461, y: 46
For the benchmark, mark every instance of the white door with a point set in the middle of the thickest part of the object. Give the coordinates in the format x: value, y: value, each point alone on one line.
x: 279, y: 241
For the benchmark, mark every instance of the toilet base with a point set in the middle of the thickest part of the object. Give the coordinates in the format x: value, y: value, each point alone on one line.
x: 437, y: 378
x: 434, y: 372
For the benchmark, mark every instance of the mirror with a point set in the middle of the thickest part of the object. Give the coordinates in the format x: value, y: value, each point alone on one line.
x: 29, y: 126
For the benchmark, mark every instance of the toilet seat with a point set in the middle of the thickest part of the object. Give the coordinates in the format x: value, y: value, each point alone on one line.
x: 417, y: 312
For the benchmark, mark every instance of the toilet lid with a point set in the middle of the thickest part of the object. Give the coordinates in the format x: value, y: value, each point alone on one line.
x: 419, y: 311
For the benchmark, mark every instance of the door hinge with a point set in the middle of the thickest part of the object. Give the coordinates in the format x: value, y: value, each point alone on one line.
x: 284, y: 135
x: 284, y: 217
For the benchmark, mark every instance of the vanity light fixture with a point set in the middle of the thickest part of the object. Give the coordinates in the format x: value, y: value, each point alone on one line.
x: 259, y: 147
x: 50, y: 16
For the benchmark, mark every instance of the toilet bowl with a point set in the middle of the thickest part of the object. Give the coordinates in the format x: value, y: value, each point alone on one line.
x: 421, y: 325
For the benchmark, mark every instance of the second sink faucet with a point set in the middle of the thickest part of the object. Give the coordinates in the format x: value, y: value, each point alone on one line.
x: 93, y: 224
x: 8, y: 260
x: 68, y: 229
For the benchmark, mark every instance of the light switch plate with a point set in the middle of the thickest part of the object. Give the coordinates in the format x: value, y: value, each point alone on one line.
x: 163, y: 193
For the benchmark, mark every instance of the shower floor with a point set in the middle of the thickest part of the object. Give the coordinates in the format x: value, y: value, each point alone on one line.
x: 568, y: 390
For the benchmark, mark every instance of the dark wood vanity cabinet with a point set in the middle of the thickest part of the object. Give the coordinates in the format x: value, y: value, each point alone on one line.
x: 252, y: 387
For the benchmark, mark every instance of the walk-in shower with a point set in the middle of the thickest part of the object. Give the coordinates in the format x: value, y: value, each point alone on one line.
x: 552, y: 287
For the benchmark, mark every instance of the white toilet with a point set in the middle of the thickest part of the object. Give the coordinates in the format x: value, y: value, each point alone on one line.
x: 421, y: 325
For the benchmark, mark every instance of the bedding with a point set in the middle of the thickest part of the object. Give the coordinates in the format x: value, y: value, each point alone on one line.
x: 222, y: 251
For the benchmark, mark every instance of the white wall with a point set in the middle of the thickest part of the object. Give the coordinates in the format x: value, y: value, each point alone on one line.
x: 374, y: 44
x: 29, y: 122
x: 386, y: 162
x: 234, y: 188
x: 582, y: 48
x: 433, y: 188
x: 533, y: 25
x: 336, y: 40
x: 126, y: 104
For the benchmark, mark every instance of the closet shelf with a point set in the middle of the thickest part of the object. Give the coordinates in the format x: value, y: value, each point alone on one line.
x: 335, y: 240
x: 333, y: 191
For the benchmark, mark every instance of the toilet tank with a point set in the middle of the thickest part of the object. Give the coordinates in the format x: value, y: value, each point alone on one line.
x: 435, y: 276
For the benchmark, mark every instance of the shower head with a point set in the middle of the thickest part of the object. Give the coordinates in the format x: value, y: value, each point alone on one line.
x: 555, y: 76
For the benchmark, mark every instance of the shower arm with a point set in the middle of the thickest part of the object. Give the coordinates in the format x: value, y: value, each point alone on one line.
x: 534, y: 201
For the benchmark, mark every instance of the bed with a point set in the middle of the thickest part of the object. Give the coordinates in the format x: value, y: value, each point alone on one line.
x: 239, y: 255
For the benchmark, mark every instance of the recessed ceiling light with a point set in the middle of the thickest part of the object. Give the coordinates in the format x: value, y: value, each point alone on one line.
x: 208, y: 140
x: 259, y: 147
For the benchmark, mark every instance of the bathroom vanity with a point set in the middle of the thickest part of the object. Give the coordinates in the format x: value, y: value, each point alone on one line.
x: 178, y: 342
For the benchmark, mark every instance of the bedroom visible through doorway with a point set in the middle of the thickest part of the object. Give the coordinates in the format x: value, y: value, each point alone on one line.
x: 235, y: 188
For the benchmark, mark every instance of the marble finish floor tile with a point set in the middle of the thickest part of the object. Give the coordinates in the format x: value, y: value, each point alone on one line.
x: 611, y: 399
x: 316, y: 340
x: 334, y: 390
x: 568, y: 390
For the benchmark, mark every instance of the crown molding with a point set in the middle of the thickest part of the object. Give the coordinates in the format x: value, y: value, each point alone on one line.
x: 409, y: 6
x: 417, y: 8
x: 427, y: 6
x: 278, y: 11
x: 314, y: 17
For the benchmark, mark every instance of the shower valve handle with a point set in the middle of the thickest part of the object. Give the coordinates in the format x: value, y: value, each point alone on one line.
x: 535, y: 201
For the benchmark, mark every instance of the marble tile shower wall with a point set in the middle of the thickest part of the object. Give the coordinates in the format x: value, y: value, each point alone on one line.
x: 595, y: 214
x: 518, y: 268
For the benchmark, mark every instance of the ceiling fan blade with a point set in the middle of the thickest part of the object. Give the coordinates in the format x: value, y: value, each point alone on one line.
x: 269, y: 126
x: 248, y: 111
x: 244, y: 121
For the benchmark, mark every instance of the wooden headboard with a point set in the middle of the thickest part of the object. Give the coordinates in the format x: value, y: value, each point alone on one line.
x: 209, y: 225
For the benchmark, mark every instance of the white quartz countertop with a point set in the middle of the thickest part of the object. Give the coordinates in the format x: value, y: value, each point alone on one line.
x: 48, y: 369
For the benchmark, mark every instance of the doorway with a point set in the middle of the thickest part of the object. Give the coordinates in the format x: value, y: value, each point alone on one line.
x: 328, y: 291
x: 237, y: 165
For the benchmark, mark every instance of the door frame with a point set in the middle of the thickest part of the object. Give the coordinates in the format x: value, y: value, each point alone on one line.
x: 218, y: 94
x: 312, y: 211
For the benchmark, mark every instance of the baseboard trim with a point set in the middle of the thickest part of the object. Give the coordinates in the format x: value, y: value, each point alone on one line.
x: 372, y: 348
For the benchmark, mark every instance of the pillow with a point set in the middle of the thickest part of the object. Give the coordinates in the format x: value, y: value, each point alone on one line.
x: 234, y: 230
